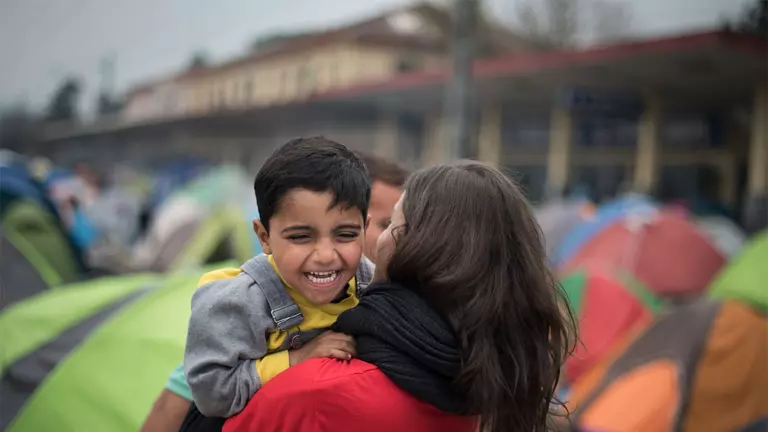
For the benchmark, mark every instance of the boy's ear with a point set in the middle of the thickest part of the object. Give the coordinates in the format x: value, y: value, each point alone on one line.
x: 263, y: 236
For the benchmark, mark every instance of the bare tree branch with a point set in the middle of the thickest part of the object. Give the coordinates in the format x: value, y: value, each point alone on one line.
x: 611, y: 20
x: 567, y: 23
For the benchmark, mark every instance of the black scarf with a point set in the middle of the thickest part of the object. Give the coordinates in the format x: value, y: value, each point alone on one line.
x: 398, y: 332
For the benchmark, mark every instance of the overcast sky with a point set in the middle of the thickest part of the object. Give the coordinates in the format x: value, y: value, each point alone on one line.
x: 42, y: 41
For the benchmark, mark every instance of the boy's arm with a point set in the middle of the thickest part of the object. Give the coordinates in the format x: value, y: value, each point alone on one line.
x: 226, y: 336
x: 271, y: 365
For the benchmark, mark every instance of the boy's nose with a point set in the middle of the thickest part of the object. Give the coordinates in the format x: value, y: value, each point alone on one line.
x: 325, y: 253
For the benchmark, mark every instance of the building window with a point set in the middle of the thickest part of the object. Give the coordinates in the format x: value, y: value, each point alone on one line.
x: 305, y: 80
x: 410, y: 138
x: 524, y: 130
x: 248, y: 90
x: 599, y: 183
x: 687, y: 131
x: 222, y: 96
x: 283, y: 89
x: 333, y: 74
x: 689, y: 182
x: 532, y: 178
x: 604, y: 131
x: 408, y: 63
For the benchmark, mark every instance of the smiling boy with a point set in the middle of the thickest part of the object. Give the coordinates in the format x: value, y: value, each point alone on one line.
x: 250, y: 324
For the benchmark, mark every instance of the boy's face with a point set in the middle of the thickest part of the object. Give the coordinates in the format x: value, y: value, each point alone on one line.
x: 317, y: 250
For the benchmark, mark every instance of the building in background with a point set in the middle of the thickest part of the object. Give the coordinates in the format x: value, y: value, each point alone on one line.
x: 680, y: 117
x: 290, y: 68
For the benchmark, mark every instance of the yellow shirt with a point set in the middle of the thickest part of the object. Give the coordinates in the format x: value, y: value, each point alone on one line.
x: 315, y: 317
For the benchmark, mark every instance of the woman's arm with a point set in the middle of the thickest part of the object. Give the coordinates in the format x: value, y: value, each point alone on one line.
x: 167, y: 413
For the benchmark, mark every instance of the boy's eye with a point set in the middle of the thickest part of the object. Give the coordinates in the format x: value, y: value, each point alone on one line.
x: 299, y: 238
x: 348, y: 235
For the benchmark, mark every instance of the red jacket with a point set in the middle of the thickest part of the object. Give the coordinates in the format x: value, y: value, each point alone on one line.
x: 335, y: 396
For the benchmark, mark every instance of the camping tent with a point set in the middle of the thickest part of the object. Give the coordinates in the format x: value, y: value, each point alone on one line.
x: 746, y: 277
x: 605, y: 215
x: 208, y: 220
x: 19, y: 279
x: 115, y: 214
x: 608, y: 303
x: 664, y: 250
x: 93, y: 356
x: 225, y: 234
x: 172, y: 177
x: 700, y: 367
x: 728, y: 237
x: 16, y: 184
x: 38, y: 236
x: 558, y: 217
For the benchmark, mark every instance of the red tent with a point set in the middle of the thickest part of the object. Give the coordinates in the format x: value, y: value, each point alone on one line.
x: 608, y: 304
x: 665, y: 251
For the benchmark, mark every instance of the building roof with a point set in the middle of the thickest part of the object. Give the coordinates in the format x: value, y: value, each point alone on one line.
x: 423, y: 26
x: 682, y: 60
x: 716, y: 65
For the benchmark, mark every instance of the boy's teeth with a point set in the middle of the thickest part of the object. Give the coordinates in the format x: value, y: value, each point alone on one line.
x: 322, y: 277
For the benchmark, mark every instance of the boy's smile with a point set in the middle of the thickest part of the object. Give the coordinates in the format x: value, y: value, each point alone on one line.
x: 316, y: 247
x: 323, y: 279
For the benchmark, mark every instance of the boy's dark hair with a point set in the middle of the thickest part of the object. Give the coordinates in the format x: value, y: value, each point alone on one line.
x: 316, y: 164
x: 384, y: 170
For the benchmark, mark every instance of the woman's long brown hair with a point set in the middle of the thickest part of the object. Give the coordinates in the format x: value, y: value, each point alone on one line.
x: 472, y: 248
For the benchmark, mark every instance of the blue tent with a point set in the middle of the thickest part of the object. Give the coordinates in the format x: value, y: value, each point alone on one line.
x: 605, y: 215
x: 16, y: 183
x: 172, y: 177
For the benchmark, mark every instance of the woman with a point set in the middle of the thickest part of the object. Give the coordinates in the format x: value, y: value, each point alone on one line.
x: 464, y: 327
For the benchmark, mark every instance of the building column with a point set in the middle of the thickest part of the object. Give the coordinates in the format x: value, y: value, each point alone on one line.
x: 435, y: 149
x: 559, y: 156
x: 489, y: 140
x: 756, y: 206
x: 728, y: 192
x: 647, y: 158
x: 387, y: 136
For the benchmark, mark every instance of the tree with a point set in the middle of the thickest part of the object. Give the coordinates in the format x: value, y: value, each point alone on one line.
x: 107, y: 105
x: 63, y: 105
x: 198, y: 60
x: 276, y: 39
x: 551, y: 23
x: 18, y: 128
x: 753, y: 19
x: 559, y: 24
x: 610, y: 20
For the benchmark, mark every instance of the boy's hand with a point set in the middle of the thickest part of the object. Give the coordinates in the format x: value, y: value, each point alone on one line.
x: 328, y: 344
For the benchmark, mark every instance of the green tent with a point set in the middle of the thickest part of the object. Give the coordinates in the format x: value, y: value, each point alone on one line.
x: 746, y: 277
x: 19, y: 279
x: 224, y: 234
x: 219, y: 185
x: 94, y: 356
x: 37, y: 235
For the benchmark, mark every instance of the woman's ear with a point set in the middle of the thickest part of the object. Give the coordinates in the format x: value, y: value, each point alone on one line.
x: 263, y: 236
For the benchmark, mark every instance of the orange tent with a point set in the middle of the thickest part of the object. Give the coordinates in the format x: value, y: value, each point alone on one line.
x: 701, y: 367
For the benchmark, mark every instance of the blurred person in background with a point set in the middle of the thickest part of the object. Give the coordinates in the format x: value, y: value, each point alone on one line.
x: 461, y: 329
x: 387, y: 178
